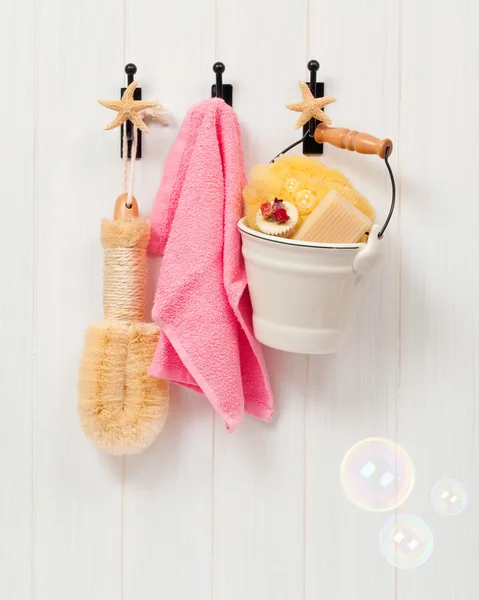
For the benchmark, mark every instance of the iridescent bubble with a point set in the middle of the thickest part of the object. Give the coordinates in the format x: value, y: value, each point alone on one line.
x: 291, y: 185
x: 449, y: 497
x: 406, y: 541
x: 377, y: 474
x: 305, y: 200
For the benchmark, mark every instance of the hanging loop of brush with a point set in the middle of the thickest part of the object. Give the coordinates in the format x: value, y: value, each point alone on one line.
x: 122, y: 409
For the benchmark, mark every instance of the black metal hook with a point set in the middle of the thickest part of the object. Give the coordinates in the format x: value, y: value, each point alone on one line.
x: 310, y: 146
x: 220, y: 89
x: 219, y: 69
x: 130, y: 70
x: 313, y: 67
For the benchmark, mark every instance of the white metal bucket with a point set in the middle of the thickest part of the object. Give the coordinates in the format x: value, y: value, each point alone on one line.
x: 305, y: 295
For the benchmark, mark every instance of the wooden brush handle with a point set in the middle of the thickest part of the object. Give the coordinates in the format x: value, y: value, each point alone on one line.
x: 352, y: 140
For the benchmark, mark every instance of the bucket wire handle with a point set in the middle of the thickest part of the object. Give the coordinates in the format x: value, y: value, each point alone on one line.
x: 362, y: 143
x: 393, y: 192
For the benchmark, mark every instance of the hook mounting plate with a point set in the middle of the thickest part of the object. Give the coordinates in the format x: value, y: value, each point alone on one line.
x: 129, y: 129
x: 227, y: 93
x: 310, y: 146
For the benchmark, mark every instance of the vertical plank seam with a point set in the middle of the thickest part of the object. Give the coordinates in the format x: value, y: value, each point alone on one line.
x: 125, y: 33
x: 213, y: 453
x: 305, y: 486
x: 216, y: 30
x: 307, y: 387
x: 213, y: 509
x: 123, y: 529
x: 33, y: 556
x: 124, y: 460
x: 308, y: 30
x: 399, y: 257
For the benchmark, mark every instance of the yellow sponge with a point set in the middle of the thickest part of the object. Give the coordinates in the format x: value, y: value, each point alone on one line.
x: 292, y: 178
x: 334, y: 221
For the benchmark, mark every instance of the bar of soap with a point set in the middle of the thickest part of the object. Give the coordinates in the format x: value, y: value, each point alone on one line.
x: 334, y: 221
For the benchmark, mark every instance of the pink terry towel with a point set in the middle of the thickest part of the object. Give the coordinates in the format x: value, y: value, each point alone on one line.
x: 202, y: 304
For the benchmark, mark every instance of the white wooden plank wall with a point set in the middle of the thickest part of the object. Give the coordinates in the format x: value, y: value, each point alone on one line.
x: 259, y: 513
x: 17, y: 303
x: 437, y: 416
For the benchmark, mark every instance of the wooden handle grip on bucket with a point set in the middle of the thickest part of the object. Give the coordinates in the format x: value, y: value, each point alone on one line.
x: 352, y: 140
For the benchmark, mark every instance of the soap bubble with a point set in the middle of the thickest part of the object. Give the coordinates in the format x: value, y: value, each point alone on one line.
x: 406, y: 541
x: 449, y: 497
x: 377, y: 474
x: 305, y: 201
x: 291, y: 185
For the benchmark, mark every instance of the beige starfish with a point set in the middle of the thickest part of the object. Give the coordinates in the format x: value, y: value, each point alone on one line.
x: 128, y: 109
x: 310, y: 107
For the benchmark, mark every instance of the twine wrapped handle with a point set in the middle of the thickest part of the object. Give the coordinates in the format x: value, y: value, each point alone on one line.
x: 125, y: 268
x: 352, y: 140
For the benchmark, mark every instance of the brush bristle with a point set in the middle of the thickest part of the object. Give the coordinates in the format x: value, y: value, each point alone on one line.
x: 122, y: 409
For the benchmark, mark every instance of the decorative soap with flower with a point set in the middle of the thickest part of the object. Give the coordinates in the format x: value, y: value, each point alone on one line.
x: 277, y: 217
